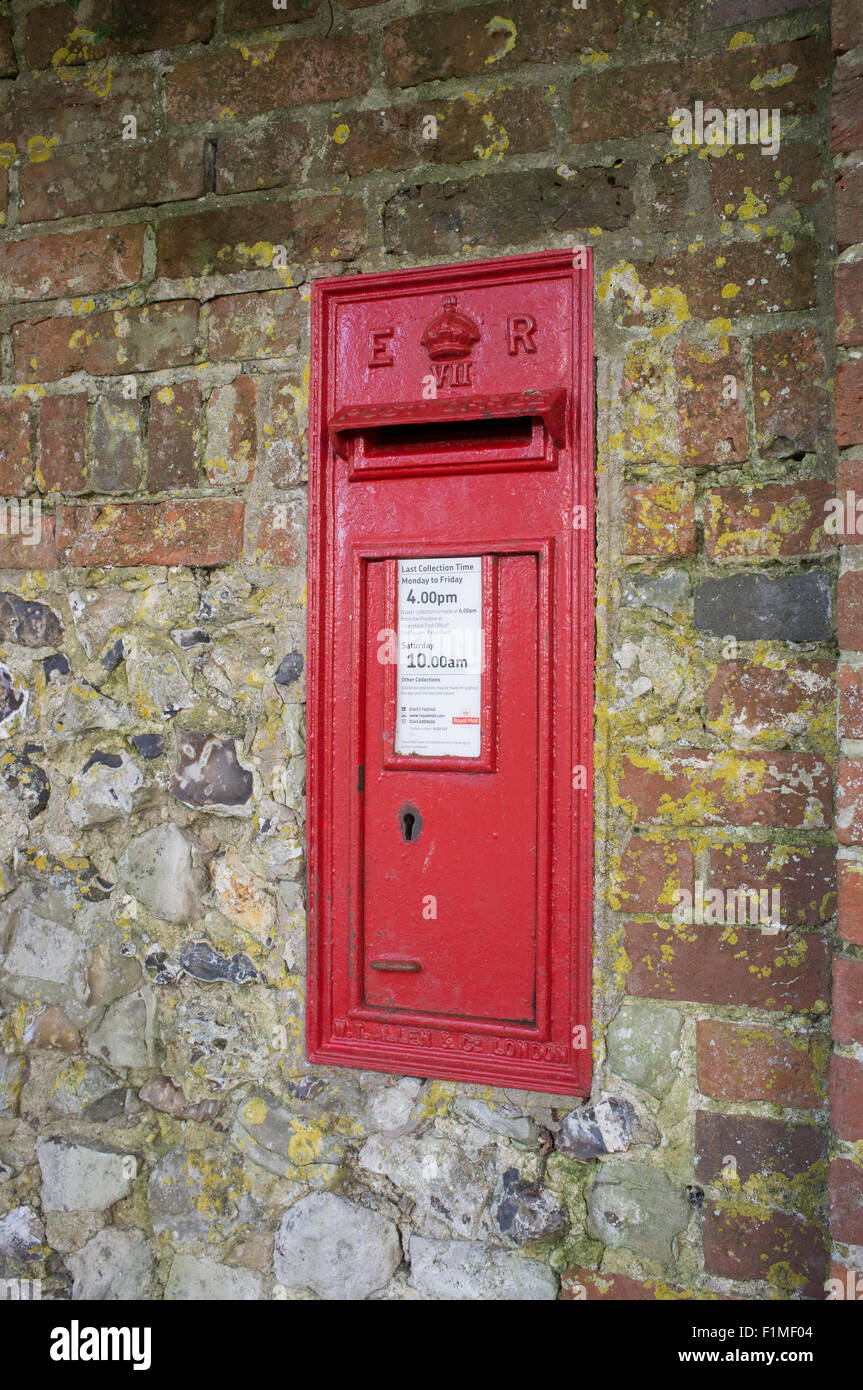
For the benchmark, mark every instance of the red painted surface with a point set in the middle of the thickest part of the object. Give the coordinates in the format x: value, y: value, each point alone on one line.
x: 452, y: 416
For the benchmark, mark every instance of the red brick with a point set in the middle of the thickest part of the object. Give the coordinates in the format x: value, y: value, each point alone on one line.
x: 791, y: 400
x: 392, y: 138
x: 705, y: 788
x: 846, y: 24
x: 16, y: 449
x: 262, y: 157
x: 172, y: 437
x: 849, y: 603
x: 266, y: 324
x: 850, y: 702
x: 786, y: 1251
x: 277, y: 540
x: 851, y: 902
x: 260, y: 14
x: 4, y: 195
x: 109, y: 344
x: 592, y: 1287
x: 745, y: 185
x: 728, y: 965
x: 846, y: 114
x: 134, y: 174
x: 62, y: 443
x: 8, y: 61
x: 72, y: 263
x: 849, y: 402
x: 846, y: 1098
x: 430, y: 47
x: 849, y: 802
x: 759, y: 1147
x: 766, y: 522
x: 846, y: 1202
x: 15, y: 555
x: 746, y: 278
x: 755, y: 1062
x: 208, y: 531
x: 805, y: 877
x: 246, y: 81
x: 723, y: 12
x: 660, y: 519
x: 71, y: 112
x: 711, y: 427
x: 847, y: 1000
x: 849, y: 204
x: 849, y: 480
x: 671, y: 191
x: 136, y: 26
x: 606, y: 108
x: 848, y: 285
x: 282, y: 431
x: 650, y: 873
x: 232, y: 432
x: 225, y: 239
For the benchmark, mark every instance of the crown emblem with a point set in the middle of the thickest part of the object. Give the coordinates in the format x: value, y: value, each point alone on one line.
x: 450, y: 335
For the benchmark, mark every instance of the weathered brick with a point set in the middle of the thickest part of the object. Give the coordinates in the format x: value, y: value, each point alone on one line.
x: 232, y: 240
x: 703, y: 788
x: 16, y: 444
x: 282, y: 404
x: 745, y: 185
x: 723, y: 12
x: 848, y: 286
x: 8, y: 61
x: 766, y: 522
x: 847, y: 1000
x: 172, y: 436
x: 268, y: 324
x: 728, y: 965
x: 850, y: 702
x: 62, y: 443
x: 804, y: 877
x: 741, y: 1061
x: 791, y: 401
x: 746, y: 278
x: 17, y: 553
x: 69, y: 111
x: 4, y: 194
x: 671, y: 191
x: 606, y: 108
x: 846, y: 114
x: 262, y: 157
x: 849, y: 402
x: 592, y: 1287
x: 72, y: 263
x: 651, y: 873
x: 846, y: 1098
x: 851, y: 902
x: 135, y: 174
x: 445, y: 218
x: 243, y: 81
x: 711, y: 404
x: 208, y: 531
x: 66, y: 36
x: 753, y: 607
x: 849, y: 204
x: 429, y: 47
x: 117, y: 445
x: 109, y: 344
x: 518, y: 120
x: 232, y: 435
x: 849, y: 802
x: 660, y: 519
x: 759, y: 1147
x: 846, y: 21
x: 849, y: 603
x: 277, y: 540
x: 846, y: 1201
x: 261, y: 14
x: 785, y: 1250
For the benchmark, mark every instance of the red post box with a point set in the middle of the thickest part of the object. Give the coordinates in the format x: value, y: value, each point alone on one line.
x: 450, y: 672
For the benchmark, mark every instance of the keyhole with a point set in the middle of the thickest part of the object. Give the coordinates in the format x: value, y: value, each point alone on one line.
x: 411, y: 823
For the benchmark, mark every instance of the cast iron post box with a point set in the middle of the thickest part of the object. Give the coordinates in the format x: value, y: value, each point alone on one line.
x: 450, y: 672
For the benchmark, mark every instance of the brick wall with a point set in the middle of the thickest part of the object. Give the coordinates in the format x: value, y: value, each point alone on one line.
x: 173, y: 176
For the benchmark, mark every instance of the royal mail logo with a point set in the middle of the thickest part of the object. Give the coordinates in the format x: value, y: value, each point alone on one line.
x: 465, y: 719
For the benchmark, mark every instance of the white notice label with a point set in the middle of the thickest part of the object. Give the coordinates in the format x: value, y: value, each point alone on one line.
x: 440, y: 657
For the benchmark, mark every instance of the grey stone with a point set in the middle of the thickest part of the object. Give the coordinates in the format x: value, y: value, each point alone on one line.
x: 611, y: 1126
x: 200, y: 1197
x: 121, y: 1038
x: 391, y: 1107
x: 643, y: 1046
x: 446, y: 1184
x: 669, y: 591
x: 77, y: 1176
x: 74, y: 1093
x: 186, y: 637
x: 753, y: 607
x: 69, y: 1230
x: 278, y: 843
x: 77, y: 873
x: 21, y: 1235
x: 161, y: 1093
x: 97, y: 613
x: 28, y: 624
x: 525, y: 1214
x: 165, y: 869
x: 199, y: 960
x: 290, y: 669
x: 499, y: 1118
x: 42, y: 949
x: 24, y: 784
x: 268, y: 1133
x: 468, y: 1270
x: 149, y: 745
x: 104, y: 790
x: 158, y: 688
x: 13, y: 1070
x: 637, y: 1207
x: 81, y: 707
x: 339, y: 1250
x: 208, y: 772
x: 115, y: 1264
x: 116, y: 444
x: 12, y: 700
x: 193, y: 1280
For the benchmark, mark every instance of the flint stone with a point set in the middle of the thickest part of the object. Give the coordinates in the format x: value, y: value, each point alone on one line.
x: 503, y: 1119
x: 120, y: 1038
x: 11, y: 700
x: 73, y: 1093
x: 164, y: 869
x: 290, y: 669
x: 82, y: 1177
x: 446, y: 1185
x: 24, y: 782
x: 469, y: 1270
x: 243, y: 897
x: 341, y: 1251
x: 55, y: 667
x: 104, y: 790
x: 149, y: 745
x: 28, y: 624
x: 643, y: 1046
x: 69, y: 1230
x: 81, y: 707
x: 97, y: 613
x: 193, y: 1280
x: 609, y: 1127
x: 77, y: 873
x: 199, y: 1197
x: 637, y: 1207
x: 792, y: 608
x: 208, y: 772
x: 115, y: 1264
x: 268, y: 1133
x: 669, y: 592
x: 158, y: 688
x: 161, y: 1093
x: 391, y: 1108
x: 12, y: 1073
x: 525, y: 1215
x: 21, y: 1235
x: 199, y: 960
x: 42, y: 949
